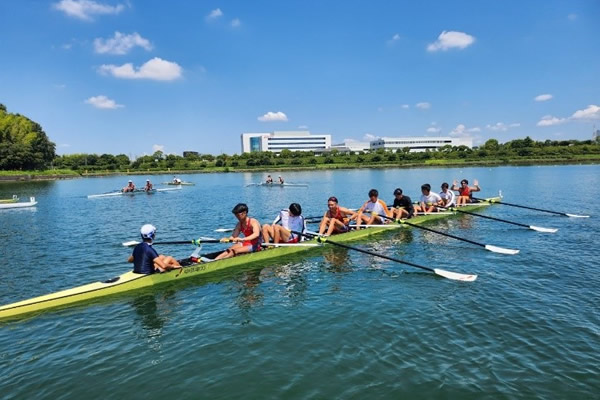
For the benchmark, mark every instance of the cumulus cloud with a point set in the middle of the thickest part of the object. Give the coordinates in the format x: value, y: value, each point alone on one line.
x: 303, y: 127
x: 591, y: 112
x: 121, y: 44
x: 273, y: 116
x: 103, y: 102
x: 394, y: 39
x: 405, y: 106
x: 462, y: 130
x: 86, y: 9
x: 236, y: 22
x: 451, y: 40
x: 543, y: 97
x: 423, y: 106
x: 501, y: 126
x: 214, y: 14
x: 368, y: 137
x: 549, y: 120
x: 158, y: 147
x: 434, y: 129
x: 155, y: 69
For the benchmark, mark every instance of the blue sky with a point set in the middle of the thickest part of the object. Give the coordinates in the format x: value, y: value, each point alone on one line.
x: 133, y: 76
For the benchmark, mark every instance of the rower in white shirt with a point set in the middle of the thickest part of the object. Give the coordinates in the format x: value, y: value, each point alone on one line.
x: 280, y: 231
x: 429, y: 200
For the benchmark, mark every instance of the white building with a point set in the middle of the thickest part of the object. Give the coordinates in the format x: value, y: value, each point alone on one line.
x: 349, y: 145
x: 419, y: 143
x: 279, y: 140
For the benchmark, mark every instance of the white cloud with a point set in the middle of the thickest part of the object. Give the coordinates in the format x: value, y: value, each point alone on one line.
x: 501, y: 126
x: 591, y: 112
x: 103, y: 102
x: 158, y: 147
x: 368, y: 137
x: 273, y: 116
x: 214, y: 14
x: 434, y: 129
x: 156, y: 69
x: 394, y: 39
x: 236, y: 22
x: 85, y: 9
x: 423, y: 106
x: 405, y: 106
x: 572, y: 17
x: 303, y: 127
x: 451, y: 39
x: 549, y: 120
x: 543, y: 97
x: 462, y: 130
x: 120, y: 43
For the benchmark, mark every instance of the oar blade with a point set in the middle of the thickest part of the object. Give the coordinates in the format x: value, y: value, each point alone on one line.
x: 576, y: 215
x: 501, y: 250
x: 542, y: 229
x: 224, y: 230
x: 130, y: 243
x: 455, y: 276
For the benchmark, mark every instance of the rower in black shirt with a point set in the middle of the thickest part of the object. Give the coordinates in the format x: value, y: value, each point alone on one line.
x: 402, y: 207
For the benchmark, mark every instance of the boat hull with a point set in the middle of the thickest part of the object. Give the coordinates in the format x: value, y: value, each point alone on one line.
x: 131, y: 281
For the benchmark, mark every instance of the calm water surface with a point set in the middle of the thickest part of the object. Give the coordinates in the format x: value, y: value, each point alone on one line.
x: 324, y: 324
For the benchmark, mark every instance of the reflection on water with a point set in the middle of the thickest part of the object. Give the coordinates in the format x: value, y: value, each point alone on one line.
x: 337, y: 260
x: 147, y: 310
x: 249, y: 295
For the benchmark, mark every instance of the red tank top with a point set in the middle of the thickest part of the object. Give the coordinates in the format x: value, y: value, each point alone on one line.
x: 338, y: 216
x: 464, y: 191
x: 247, y: 231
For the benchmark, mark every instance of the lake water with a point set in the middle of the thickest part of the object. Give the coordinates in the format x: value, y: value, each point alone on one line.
x: 322, y: 325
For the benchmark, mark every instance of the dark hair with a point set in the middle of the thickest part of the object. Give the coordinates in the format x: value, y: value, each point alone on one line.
x: 373, y: 192
x: 397, y: 191
x: 240, y: 207
x: 332, y: 198
x: 444, y: 185
x: 295, y: 209
x: 426, y: 186
x: 464, y: 181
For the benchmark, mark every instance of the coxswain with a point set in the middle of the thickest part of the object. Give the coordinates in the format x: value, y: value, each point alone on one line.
x: 283, y: 227
x: 374, y: 207
x: 148, y: 187
x: 430, y: 201
x: 447, y: 196
x: 250, y: 227
x: 269, y: 179
x: 130, y: 187
x: 464, y: 191
x: 145, y: 259
x: 402, y: 207
x: 336, y: 219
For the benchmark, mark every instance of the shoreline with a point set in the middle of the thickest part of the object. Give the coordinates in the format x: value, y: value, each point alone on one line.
x: 32, y: 177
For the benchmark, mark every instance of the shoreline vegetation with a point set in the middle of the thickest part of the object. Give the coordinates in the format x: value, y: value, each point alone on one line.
x: 26, y: 154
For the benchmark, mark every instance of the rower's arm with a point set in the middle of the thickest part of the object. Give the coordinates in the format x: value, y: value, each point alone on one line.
x: 236, y: 231
x: 255, y: 230
x: 475, y: 188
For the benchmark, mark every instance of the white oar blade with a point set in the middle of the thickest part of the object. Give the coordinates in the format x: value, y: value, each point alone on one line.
x: 577, y: 216
x: 224, y: 230
x: 205, y: 238
x: 130, y: 243
x: 541, y: 229
x: 500, y: 250
x: 455, y: 276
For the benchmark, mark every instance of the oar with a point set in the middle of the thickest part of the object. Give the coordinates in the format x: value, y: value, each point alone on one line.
x: 224, y: 230
x: 533, y: 208
x: 195, y: 242
x: 446, y: 274
x: 488, y: 247
x: 535, y: 228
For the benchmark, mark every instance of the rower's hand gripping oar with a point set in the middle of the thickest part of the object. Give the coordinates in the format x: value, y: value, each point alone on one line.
x: 535, y: 228
x: 446, y: 274
x: 532, y: 208
x: 489, y: 247
x: 195, y: 242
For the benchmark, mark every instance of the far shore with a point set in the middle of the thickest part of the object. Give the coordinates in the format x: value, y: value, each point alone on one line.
x: 49, y: 175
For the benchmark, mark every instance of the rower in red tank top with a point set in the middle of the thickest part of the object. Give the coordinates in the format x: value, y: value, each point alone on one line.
x: 250, y: 227
x: 464, y: 191
x: 336, y: 218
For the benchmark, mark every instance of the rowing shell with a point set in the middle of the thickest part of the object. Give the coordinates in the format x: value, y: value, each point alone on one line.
x: 132, y: 281
x: 180, y: 183
x: 275, y: 184
x: 13, y: 200
x: 29, y: 203
x: 135, y: 192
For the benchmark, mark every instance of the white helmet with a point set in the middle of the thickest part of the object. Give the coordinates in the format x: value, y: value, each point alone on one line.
x: 148, y: 231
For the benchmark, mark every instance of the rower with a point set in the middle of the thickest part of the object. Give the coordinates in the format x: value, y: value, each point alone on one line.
x: 402, y: 207
x: 250, y: 227
x: 447, y: 196
x: 148, y: 186
x: 281, y: 182
x: 269, y: 179
x: 287, y: 221
x: 130, y: 187
x: 429, y: 200
x: 336, y: 219
x: 373, y: 207
x: 176, y: 180
x: 145, y: 259
x: 465, y: 191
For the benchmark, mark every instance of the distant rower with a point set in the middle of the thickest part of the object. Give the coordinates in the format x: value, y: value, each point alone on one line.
x: 287, y: 221
x: 129, y: 188
x: 374, y: 207
x: 269, y: 179
x: 250, y: 227
x: 281, y: 182
x: 176, y: 180
x: 148, y: 186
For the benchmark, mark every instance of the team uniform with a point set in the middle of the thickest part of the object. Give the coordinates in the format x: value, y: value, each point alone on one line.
x: 431, y: 200
x: 377, y: 208
x: 340, y: 217
x: 449, y: 198
x: 255, y: 244
x: 406, y: 203
x: 143, y: 258
x: 291, y: 223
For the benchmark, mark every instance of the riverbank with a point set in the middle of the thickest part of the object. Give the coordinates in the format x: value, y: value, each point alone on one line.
x: 26, y: 176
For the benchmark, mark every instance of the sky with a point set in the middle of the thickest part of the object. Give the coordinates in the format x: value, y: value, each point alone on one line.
x: 133, y: 77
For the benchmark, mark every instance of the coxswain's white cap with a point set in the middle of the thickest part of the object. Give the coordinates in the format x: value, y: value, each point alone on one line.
x: 130, y: 181
x: 148, y: 231
x: 147, y: 180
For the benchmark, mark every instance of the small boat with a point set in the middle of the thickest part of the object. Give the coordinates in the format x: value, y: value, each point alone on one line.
x: 16, y: 204
x: 117, y: 193
x: 277, y: 184
x: 13, y: 200
x: 193, y: 267
x: 179, y: 184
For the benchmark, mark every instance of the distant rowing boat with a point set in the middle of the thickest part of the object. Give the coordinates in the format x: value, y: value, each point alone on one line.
x: 276, y: 184
x: 180, y: 183
x: 132, y: 281
x: 135, y: 192
x: 13, y: 200
x: 16, y: 204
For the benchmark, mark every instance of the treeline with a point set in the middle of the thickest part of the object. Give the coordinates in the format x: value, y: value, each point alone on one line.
x: 23, y: 143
